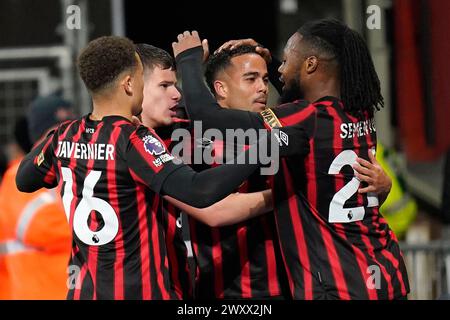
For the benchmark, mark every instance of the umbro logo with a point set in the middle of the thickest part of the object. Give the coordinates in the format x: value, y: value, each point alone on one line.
x: 282, y: 138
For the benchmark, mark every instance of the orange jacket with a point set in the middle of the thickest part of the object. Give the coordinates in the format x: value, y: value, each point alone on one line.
x: 35, y: 242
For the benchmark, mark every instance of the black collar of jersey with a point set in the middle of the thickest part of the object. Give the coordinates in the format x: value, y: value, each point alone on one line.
x: 106, y: 119
x: 328, y: 98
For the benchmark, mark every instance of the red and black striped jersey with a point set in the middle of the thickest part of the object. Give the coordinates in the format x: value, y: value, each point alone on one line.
x: 176, y: 250
x: 241, y: 261
x: 109, y: 173
x: 335, y: 244
x: 238, y: 261
x: 334, y: 241
x: 176, y: 247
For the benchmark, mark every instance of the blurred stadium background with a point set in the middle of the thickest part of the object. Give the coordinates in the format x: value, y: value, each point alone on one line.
x: 410, y: 50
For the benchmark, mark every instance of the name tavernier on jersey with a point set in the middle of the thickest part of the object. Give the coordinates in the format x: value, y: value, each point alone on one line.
x: 85, y: 151
x: 106, y: 151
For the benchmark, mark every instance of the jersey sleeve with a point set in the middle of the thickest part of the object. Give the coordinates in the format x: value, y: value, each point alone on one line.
x: 44, y: 160
x: 299, y: 113
x: 36, y: 169
x: 148, y: 158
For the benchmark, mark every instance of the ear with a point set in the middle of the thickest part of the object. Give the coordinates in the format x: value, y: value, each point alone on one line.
x: 311, y: 64
x: 221, y: 89
x: 127, y: 85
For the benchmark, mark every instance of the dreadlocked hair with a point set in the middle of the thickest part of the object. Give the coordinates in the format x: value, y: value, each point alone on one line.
x: 360, y: 86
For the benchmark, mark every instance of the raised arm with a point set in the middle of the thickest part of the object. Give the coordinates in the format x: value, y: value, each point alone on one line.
x: 200, y: 103
x: 150, y: 163
x: 235, y: 208
x: 202, y: 189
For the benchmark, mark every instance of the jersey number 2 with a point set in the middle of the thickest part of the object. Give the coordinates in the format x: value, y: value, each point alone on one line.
x: 337, y: 213
x: 88, y: 204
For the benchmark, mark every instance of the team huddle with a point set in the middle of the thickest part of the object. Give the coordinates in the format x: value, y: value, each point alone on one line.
x: 311, y: 229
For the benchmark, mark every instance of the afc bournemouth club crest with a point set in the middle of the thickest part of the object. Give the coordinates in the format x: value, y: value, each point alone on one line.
x: 153, y: 145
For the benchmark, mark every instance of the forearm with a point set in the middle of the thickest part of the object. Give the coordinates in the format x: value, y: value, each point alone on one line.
x: 201, y: 104
x: 233, y: 209
x: 382, y: 196
x: 202, y: 189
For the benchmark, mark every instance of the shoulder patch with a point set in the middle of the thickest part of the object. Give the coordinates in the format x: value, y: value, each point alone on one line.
x: 40, y: 158
x: 153, y: 146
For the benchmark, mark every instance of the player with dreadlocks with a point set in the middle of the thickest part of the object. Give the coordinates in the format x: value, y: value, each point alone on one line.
x: 335, y: 244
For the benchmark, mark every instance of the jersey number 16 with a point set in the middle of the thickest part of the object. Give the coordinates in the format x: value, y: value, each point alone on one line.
x: 88, y: 204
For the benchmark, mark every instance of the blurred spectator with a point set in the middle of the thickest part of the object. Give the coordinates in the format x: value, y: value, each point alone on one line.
x: 20, y: 144
x: 21, y: 136
x: 35, y: 237
x: 3, y: 162
x: 399, y: 209
x: 45, y: 113
x: 11, y: 155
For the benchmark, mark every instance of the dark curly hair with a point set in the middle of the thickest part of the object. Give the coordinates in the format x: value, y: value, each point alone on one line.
x: 218, y: 62
x: 104, y: 59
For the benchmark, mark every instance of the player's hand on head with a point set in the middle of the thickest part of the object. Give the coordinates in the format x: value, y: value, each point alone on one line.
x: 265, y: 53
x: 186, y: 41
x: 232, y: 44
